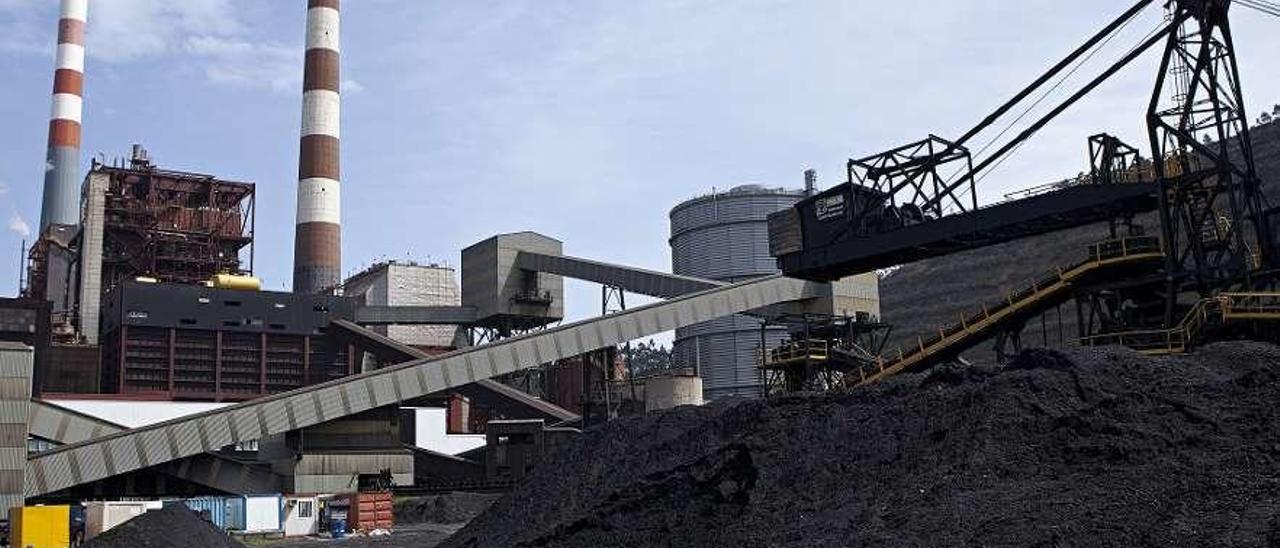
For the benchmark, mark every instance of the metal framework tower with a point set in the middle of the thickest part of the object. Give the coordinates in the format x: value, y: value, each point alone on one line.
x: 1215, y: 234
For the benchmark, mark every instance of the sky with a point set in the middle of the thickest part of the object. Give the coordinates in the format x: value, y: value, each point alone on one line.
x: 583, y: 120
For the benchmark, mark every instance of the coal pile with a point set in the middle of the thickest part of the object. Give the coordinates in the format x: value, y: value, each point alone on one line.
x: 174, y: 526
x: 1084, y: 447
x: 445, y: 509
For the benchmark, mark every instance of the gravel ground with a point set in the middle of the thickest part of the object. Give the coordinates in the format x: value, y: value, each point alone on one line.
x: 1072, y: 448
x: 421, y: 535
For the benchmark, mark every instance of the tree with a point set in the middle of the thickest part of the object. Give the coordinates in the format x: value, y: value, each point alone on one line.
x: 1264, y: 119
x: 648, y: 357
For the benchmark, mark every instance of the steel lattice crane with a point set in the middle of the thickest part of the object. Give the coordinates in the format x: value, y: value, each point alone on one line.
x: 1217, y: 233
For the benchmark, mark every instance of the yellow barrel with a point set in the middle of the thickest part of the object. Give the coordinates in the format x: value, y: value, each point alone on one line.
x: 40, y: 526
x: 238, y: 283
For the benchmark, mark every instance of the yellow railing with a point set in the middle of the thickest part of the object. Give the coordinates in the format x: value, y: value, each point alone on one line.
x: 1101, y: 254
x: 790, y: 352
x: 1218, y: 310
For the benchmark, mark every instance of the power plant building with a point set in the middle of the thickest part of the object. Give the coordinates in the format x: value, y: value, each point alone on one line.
x: 396, y: 283
x: 724, y: 236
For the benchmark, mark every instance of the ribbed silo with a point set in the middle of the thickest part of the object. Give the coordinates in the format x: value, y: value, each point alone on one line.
x: 724, y: 236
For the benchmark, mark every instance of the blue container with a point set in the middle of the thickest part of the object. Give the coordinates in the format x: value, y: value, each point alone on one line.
x: 235, y: 514
x: 338, y: 528
x: 213, y: 509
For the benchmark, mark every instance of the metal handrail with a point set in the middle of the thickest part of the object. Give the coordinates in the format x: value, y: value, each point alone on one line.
x: 1098, y: 254
x: 1223, y: 307
x: 806, y: 349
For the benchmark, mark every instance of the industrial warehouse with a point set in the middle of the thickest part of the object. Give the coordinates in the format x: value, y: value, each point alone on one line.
x: 897, y: 359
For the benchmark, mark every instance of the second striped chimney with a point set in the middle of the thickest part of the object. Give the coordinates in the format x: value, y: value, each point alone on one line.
x: 317, y: 260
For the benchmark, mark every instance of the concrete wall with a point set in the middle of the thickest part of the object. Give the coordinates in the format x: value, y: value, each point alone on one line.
x: 95, y: 190
x: 339, y: 472
x: 395, y: 284
x: 16, y: 362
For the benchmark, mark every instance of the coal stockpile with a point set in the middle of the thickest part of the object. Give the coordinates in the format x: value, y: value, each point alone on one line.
x: 444, y: 509
x: 1060, y: 448
x: 174, y: 526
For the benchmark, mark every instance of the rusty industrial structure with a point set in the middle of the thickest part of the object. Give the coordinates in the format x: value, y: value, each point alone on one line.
x: 173, y: 226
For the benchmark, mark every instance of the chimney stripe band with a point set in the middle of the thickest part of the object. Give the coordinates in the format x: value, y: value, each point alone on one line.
x: 322, y: 29
x: 68, y: 81
x: 71, y: 31
x: 66, y: 106
x: 318, y: 201
x: 319, y: 158
x: 322, y: 70
x: 64, y: 134
x: 71, y: 57
x: 75, y: 9
x: 320, y: 113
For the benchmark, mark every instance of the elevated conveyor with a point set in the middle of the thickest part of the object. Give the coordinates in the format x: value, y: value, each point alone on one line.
x: 811, y: 246
x: 635, y: 280
x: 1106, y: 261
x: 61, y: 425
x: 176, y: 439
x: 487, y: 392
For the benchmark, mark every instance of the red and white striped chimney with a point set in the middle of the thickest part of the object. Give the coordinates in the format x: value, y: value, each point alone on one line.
x: 317, y: 259
x: 61, y: 203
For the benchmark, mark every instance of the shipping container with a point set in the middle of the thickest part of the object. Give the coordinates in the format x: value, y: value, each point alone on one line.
x: 262, y: 513
x: 212, y: 509
x: 40, y: 526
x: 369, y: 511
x: 235, y: 514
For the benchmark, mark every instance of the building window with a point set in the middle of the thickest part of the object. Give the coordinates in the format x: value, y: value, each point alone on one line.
x: 231, y: 303
x: 305, y: 508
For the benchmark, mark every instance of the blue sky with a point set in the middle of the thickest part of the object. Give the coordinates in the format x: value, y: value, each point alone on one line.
x: 583, y: 120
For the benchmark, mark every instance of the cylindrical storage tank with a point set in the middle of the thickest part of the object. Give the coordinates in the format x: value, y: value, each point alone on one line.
x: 675, y: 391
x: 725, y: 236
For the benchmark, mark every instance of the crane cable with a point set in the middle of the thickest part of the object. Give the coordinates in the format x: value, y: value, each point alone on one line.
x: 996, y: 165
x: 1043, y: 96
x: 1264, y: 6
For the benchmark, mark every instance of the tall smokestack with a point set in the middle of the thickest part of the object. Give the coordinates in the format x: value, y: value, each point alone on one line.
x: 317, y: 250
x: 62, y: 163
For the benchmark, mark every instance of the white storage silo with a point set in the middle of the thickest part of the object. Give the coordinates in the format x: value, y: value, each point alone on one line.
x: 724, y: 236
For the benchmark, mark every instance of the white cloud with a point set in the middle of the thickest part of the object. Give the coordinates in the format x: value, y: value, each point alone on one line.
x: 131, y: 30
x: 19, y: 226
x: 20, y: 27
x: 254, y: 65
x: 352, y: 86
x: 212, y: 33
